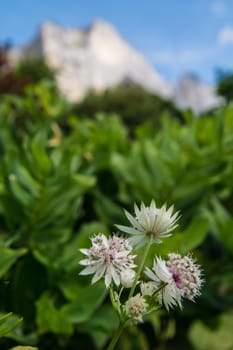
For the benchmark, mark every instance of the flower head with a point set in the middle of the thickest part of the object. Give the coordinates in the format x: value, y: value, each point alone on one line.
x: 108, y: 258
x: 169, y: 295
x: 136, y: 307
x: 180, y: 276
x: 186, y: 274
x: 150, y: 222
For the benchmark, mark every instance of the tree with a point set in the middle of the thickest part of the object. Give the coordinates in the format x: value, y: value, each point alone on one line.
x: 13, y: 80
x: 225, y: 84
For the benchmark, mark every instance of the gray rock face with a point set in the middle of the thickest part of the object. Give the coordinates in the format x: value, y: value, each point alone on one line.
x: 191, y: 93
x: 98, y: 57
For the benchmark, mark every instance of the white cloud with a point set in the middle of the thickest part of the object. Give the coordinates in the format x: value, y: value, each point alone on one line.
x: 218, y: 8
x: 225, y: 36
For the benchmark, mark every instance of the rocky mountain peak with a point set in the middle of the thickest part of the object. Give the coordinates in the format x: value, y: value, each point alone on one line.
x: 190, y: 92
x: 100, y: 27
x: 97, y: 57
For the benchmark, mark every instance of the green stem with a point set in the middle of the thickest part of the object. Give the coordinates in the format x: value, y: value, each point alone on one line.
x: 121, y: 290
x: 115, y: 303
x: 146, y: 251
x: 116, y: 337
x: 159, y: 289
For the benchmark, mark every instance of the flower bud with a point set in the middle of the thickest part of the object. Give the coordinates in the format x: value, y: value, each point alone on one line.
x: 136, y: 307
x: 147, y: 288
x: 127, y: 278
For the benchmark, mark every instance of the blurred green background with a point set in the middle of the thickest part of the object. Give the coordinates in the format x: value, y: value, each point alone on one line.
x: 68, y: 170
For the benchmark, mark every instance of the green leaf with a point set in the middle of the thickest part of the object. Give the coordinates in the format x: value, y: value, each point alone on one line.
x: 24, y: 348
x: 4, y: 318
x: 203, y: 338
x: 7, y: 323
x: 84, y: 181
x: 103, y: 323
x: 107, y: 209
x: 221, y: 213
x: 51, y: 319
x: 225, y: 234
x: 194, y: 235
x: 19, y: 192
x: 21, y: 337
x: 26, y: 180
x: 85, y: 300
x: 37, y: 158
x: 8, y: 257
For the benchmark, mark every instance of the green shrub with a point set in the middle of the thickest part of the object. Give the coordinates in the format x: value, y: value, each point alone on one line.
x: 59, y: 186
x: 134, y: 104
x: 225, y: 85
x: 14, y: 80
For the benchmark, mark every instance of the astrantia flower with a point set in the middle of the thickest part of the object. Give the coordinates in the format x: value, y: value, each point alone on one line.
x: 108, y: 258
x: 136, y: 307
x: 181, y: 278
x: 186, y: 274
x: 169, y: 295
x: 150, y: 222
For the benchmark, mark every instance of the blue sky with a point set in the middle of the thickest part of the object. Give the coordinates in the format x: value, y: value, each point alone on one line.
x: 177, y: 36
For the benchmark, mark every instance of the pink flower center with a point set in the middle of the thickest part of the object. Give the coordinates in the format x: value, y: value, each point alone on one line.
x: 111, y: 257
x: 177, y: 279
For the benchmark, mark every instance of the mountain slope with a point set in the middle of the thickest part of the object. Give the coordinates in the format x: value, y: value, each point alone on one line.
x: 98, y: 57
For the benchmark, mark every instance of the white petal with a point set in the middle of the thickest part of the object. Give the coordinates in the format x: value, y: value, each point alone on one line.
x: 115, y: 275
x: 162, y: 271
x: 99, y: 273
x: 85, y: 251
x: 84, y: 262
x: 132, y: 220
x: 152, y: 276
x: 108, y: 278
x: 88, y: 270
x: 128, y: 229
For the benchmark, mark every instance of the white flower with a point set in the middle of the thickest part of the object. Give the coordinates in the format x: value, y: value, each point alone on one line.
x: 181, y: 278
x: 150, y: 222
x: 127, y: 278
x: 136, y: 307
x: 108, y: 258
x: 169, y: 295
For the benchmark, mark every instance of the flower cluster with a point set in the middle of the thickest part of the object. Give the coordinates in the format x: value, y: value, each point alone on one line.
x: 186, y: 274
x: 168, y: 281
x: 179, y: 276
x: 108, y: 257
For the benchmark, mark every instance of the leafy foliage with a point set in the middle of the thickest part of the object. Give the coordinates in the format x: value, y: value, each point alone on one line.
x: 59, y: 185
x: 225, y: 84
x: 134, y: 104
x: 7, y: 323
x: 14, y: 80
